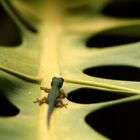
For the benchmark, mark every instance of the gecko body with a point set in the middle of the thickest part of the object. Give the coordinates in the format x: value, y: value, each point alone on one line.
x: 54, y: 97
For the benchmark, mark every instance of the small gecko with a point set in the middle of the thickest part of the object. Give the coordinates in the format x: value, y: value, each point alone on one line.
x: 54, y: 98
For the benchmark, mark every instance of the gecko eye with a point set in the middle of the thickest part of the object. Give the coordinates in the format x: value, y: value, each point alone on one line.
x: 57, y: 80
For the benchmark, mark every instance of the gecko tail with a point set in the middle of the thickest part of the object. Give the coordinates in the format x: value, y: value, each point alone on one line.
x: 48, y: 122
x: 50, y: 110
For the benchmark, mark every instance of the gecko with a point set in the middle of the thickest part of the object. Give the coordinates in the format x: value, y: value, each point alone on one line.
x: 54, y: 98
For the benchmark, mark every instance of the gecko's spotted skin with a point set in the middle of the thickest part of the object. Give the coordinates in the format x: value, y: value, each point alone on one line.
x: 54, y: 98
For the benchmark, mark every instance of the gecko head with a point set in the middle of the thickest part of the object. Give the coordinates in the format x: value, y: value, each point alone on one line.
x: 57, y: 81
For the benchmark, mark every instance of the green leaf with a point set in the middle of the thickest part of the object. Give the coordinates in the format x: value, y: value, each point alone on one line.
x: 92, y: 46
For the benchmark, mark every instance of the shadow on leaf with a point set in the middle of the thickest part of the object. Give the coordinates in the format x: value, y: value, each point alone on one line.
x: 89, y: 95
x: 6, y: 90
x: 115, y: 36
x: 9, y: 32
x: 123, y: 9
x: 117, y: 122
x: 115, y: 72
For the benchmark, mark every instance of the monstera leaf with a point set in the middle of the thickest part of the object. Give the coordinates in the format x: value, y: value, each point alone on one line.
x: 93, y: 45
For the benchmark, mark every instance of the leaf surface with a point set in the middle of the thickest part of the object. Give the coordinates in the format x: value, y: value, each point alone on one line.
x: 96, y: 53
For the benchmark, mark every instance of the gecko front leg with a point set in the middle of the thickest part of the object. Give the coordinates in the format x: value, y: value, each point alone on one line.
x: 42, y: 101
x: 47, y: 90
x: 62, y: 94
